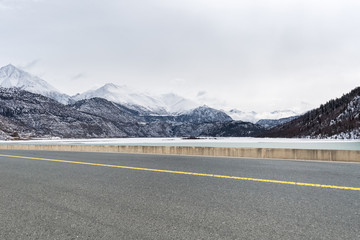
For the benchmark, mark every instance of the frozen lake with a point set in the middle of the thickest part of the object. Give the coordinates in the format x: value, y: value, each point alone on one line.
x: 206, y: 142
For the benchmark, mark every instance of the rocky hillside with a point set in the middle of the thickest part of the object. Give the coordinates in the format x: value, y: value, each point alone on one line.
x: 233, y: 129
x: 338, y: 118
x: 110, y: 110
x: 34, y: 115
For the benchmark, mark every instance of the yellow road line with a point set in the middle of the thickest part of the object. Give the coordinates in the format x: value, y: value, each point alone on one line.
x: 188, y: 173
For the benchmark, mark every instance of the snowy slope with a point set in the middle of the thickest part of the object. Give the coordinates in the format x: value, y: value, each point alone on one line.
x: 176, y: 104
x: 124, y: 95
x: 243, y: 116
x: 12, y: 77
x: 163, y: 104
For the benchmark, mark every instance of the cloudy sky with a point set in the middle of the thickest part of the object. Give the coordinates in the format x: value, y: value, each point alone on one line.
x: 260, y: 55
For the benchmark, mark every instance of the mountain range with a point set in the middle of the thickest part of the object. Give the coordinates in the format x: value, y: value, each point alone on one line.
x: 150, y: 104
x: 32, y: 108
x: 28, y: 115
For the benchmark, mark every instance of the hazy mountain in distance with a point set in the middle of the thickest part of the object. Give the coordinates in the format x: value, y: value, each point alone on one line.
x: 254, y: 117
x: 125, y: 96
x: 161, y: 105
x: 176, y: 104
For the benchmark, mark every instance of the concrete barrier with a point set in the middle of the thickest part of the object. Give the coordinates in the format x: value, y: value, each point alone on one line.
x: 270, y: 153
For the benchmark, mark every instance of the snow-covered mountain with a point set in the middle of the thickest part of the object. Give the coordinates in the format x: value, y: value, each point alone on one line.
x: 255, y: 117
x: 126, y: 96
x: 242, y: 116
x: 162, y: 105
x: 13, y: 77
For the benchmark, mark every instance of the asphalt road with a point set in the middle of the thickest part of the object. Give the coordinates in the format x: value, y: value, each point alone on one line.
x: 43, y: 199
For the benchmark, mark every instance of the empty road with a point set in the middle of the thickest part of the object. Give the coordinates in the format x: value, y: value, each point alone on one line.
x: 73, y: 195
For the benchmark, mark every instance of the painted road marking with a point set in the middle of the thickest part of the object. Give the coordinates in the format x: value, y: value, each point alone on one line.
x: 189, y: 173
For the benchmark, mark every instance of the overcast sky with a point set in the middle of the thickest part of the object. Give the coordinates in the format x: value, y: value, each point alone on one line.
x: 260, y: 55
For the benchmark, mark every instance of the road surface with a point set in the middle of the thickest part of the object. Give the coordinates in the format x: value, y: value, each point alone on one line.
x: 73, y: 195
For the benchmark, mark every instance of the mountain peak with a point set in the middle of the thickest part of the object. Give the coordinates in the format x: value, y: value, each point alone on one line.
x: 10, y: 70
x: 205, y: 114
x: 110, y: 85
x: 204, y: 106
x: 13, y: 77
x: 10, y: 66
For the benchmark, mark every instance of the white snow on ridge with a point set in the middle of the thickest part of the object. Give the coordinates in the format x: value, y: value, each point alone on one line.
x: 12, y: 77
x: 166, y: 103
x: 123, y: 95
x: 176, y: 104
x: 242, y: 116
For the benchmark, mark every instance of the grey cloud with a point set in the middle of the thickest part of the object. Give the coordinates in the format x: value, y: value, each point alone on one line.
x: 201, y: 93
x: 78, y: 76
x: 253, y: 54
x: 31, y: 64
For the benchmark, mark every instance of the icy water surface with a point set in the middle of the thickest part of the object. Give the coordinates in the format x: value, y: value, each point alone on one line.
x: 205, y: 142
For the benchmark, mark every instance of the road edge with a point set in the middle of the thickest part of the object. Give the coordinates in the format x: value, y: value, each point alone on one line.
x: 262, y: 153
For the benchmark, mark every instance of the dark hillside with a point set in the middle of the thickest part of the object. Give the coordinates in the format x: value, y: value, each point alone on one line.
x: 338, y: 118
